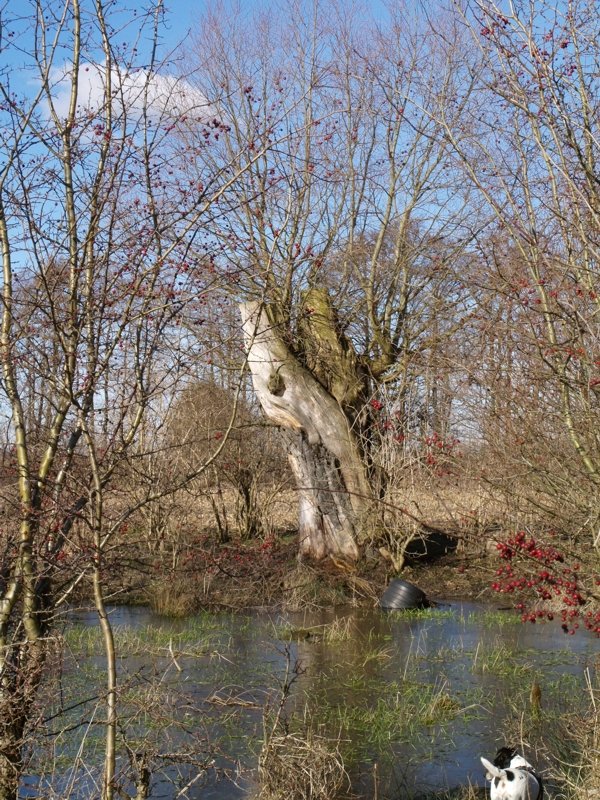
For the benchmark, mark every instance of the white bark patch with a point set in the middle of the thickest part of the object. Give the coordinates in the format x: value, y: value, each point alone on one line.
x: 324, y: 454
x: 304, y: 405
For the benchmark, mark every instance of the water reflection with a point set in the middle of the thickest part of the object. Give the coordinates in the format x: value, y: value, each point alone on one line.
x: 421, y: 697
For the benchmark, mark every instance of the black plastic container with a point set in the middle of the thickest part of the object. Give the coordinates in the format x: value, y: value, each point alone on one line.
x: 402, y: 594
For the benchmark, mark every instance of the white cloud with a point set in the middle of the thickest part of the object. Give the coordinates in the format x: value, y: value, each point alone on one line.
x: 164, y: 96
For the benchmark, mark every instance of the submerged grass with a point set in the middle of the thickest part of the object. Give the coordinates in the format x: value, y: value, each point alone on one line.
x: 499, y: 659
x: 434, y: 614
x: 493, y: 618
x: 198, y: 636
x: 369, y: 688
x: 405, y: 711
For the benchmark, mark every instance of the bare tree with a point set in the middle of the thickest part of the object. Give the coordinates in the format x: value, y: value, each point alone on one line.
x: 530, y: 147
x: 99, y: 208
x: 343, y: 242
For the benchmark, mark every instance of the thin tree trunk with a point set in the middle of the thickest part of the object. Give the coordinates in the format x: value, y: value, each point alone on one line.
x: 10, y: 765
x: 22, y: 668
x: 111, y: 688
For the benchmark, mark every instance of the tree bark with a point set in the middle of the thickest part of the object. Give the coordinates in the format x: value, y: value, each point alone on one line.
x: 324, y: 453
x: 20, y: 678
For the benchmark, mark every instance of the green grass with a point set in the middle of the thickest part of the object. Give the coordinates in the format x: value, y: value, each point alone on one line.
x: 433, y: 614
x: 500, y: 660
x: 493, y: 619
x: 198, y: 637
x: 405, y: 711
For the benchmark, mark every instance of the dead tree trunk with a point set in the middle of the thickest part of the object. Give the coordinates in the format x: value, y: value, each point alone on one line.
x: 324, y: 452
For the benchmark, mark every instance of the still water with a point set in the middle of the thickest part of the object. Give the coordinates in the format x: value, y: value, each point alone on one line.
x: 412, y: 700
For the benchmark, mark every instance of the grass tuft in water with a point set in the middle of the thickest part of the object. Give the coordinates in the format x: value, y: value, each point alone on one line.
x: 435, y: 614
x: 198, y: 637
x: 499, y: 659
x: 405, y: 712
x: 493, y: 618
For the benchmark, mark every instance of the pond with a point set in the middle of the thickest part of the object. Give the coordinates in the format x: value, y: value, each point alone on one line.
x: 412, y: 699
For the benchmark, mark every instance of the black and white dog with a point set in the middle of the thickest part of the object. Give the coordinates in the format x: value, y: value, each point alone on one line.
x: 512, y: 777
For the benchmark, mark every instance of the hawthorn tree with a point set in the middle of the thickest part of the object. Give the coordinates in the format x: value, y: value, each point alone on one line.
x: 345, y: 234
x: 99, y: 210
x: 529, y: 146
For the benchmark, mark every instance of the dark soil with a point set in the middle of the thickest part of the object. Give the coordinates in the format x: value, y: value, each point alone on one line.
x: 254, y: 573
x: 455, y: 577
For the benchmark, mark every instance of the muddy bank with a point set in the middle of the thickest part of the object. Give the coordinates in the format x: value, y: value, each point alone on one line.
x: 255, y: 574
x: 455, y: 578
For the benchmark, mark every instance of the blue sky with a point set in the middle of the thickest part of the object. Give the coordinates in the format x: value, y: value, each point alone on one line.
x: 183, y: 15
x: 181, y: 22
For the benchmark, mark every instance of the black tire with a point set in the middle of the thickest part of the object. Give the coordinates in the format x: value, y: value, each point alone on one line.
x: 402, y: 594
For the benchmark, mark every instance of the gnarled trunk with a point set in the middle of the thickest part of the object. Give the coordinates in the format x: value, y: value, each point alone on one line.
x: 324, y: 453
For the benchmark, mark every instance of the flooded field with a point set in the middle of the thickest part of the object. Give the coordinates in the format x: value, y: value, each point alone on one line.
x: 409, y: 699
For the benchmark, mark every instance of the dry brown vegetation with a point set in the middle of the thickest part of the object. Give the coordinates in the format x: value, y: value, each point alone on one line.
x: 298, y: 767
x: 383, y: 232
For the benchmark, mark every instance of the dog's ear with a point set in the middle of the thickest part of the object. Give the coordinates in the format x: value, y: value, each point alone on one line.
x: 504, y: 757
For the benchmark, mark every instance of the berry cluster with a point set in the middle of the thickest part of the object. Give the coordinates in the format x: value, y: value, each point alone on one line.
x: 551, y: 578
x: 232, y: 560
x: 440, y: 452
